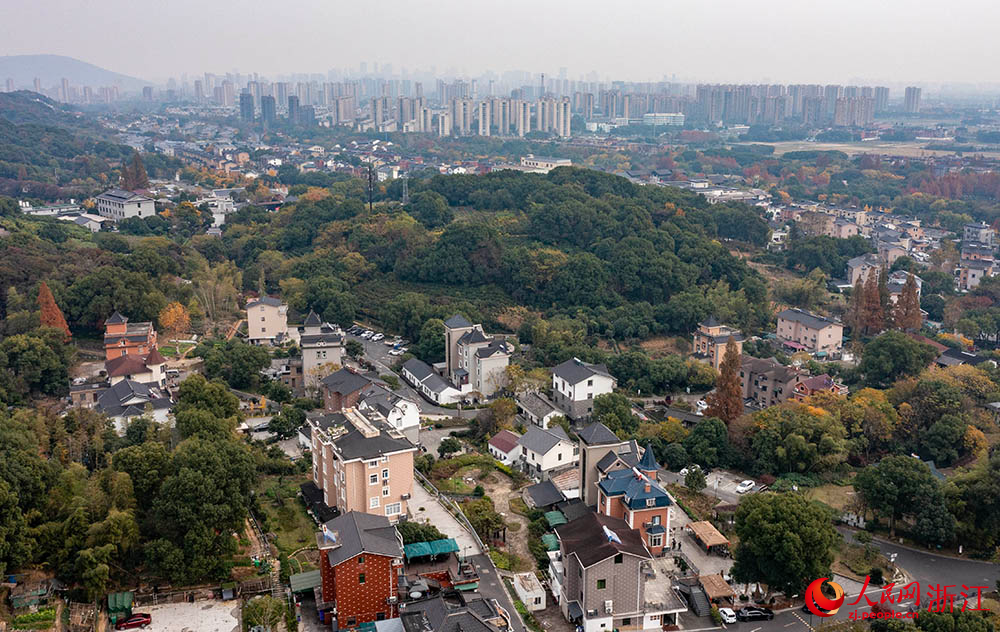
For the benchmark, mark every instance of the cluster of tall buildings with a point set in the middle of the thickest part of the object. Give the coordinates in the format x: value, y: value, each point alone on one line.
x: 66, y: 92
x: 809, y: 104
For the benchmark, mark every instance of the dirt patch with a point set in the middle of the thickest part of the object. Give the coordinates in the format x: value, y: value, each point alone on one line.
x: 551, y: 618
x: 662, y: 346
x: 500, y: 490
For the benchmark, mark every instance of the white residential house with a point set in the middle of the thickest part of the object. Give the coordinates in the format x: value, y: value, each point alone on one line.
x: 322, y: 345
x: 530, y: 591
x: 474, y: 361
x: 431, y: 385
x: 504, y: 447
x: 267, y: 321
x: 544, y: 451
x: 118, y: 205
x: 537, y: 409
x: 576, y: 383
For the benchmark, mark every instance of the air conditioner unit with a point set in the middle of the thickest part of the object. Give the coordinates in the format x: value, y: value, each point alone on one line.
x: 609, y: 606
x: 405, y: 496
x: 392, y: 599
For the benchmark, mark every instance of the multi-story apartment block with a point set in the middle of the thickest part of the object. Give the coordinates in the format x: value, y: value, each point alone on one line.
x: 124, y: 338
x: 576, y: 383
x: 711, y: 339
x: 859, y: 267
x: 267, y: 321
x: 362, y: 463
x: 803, y: 331
x: 634, y: 495
x: 118, y: 205
x: 473, y: 360
x: 361, y: 561
x: 767, y: 382
x: 609, y: 580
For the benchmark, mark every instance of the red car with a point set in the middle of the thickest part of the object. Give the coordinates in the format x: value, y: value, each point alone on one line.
x: 137, y: 620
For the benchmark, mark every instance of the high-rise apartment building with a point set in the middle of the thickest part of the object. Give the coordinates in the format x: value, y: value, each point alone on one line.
x: 293, y: 109
x: 881, y: 98
x: 911, y: 100
x: 246, y: 107
x: 268, y: 110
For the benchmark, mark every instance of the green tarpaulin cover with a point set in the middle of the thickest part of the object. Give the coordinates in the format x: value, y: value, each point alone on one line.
x: 550, y: 541
x: 555, y: 518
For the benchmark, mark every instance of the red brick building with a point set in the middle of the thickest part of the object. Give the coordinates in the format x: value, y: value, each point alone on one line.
x: 361, y: 562
x: 634, y: 495
x: 342, y: 389
x: 124, y: 338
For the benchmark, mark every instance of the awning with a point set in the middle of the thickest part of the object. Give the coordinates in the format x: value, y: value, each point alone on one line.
x: 575, y: 611
x: 793, y: 345
x: 417, y: 549
x: 447, y: 545
x: 550, y: 541
x: 303, y: 582
x: 716, y: 587
x: 555, y: 518
x: 707, y: 534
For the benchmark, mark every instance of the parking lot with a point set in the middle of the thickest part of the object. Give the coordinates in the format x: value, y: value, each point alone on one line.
x: 719, y: 483
x: 200, y: 616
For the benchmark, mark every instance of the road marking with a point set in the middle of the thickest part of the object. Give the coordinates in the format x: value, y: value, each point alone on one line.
x: 788, y: 625
x: 755, y: 630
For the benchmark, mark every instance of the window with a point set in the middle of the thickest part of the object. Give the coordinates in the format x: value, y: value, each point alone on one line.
x: 538, y: 601
x: 656, y: 540
x: 559, y: 457
x: 627, y: 621
x: 380, y: 616
x: 351, y: 622
x: 602, y: 584
x: 385, y: 491
x: 374, y: 502
x: 618, y: 558
x: 656, y: 520
x: 373, y: 479
x: 650, y: 502
x: 590, y: 382
x: 262, y: 319
x: 385, y: 474
x: 361, y: 559
x: 361, y: 578
x: 373, y: 463
x: 393, y: 509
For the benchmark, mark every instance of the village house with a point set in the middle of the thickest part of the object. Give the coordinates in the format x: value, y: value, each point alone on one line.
x: 817, y: 384
x: 537, y: 409
x: 267, y: 321
x: 124, y: 338
x: 634, y: 495
x: 710, y: 340
x: 544, y: 451
x: 596, y: 443
x: 800, y: 330
x: 361, y: 561
x: 322, y: 346
x: 576, y: 383
x: 767, y: 382
x: 504, y: 447
x: 474, y: 362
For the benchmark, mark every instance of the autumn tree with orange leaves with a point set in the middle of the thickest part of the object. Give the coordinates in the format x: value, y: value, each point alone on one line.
x: 175, y: 319
x: 51, y: 315
x: 726, y: 401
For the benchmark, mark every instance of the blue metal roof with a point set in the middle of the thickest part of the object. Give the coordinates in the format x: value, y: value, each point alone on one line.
x: 626, y: 483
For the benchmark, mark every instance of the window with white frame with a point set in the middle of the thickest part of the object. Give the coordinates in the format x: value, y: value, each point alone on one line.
x: 385, y: 491
x: 656, y: 539
x: 373, y: 463
x: 393, y: 509
x: 373, y: 479
x: 374, y: 502
x: 385, y: 474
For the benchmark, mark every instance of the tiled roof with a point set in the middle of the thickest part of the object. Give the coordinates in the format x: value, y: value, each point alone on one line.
x: 809, y: 320
x: 359, y: 533
x: 575, y: 370
x: 597, y: 434
x: 457, y: 322
x: 504, y: 441
x: 540, y: 441
x: 633, y: 488
x: 587, y: 538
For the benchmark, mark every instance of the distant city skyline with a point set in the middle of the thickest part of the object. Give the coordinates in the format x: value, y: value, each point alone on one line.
x: 851, y: 42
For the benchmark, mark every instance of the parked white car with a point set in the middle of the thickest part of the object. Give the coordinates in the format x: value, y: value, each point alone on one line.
x: 728, y: 616
x: 366, y: 334
x: 397, y: 352
x: 377, y: 337
x: 701, y: 405
x: 689, y: 469
x: 745, y: 486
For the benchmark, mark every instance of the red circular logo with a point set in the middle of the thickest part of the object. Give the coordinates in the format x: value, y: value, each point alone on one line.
x: 821, y: 605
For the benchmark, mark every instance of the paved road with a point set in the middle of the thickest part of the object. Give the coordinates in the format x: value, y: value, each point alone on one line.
x: 378, y: 354
x: 719, y: 483
x: 921, y: 566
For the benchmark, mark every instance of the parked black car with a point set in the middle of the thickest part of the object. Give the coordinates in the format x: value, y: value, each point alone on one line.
x: 754, y: 614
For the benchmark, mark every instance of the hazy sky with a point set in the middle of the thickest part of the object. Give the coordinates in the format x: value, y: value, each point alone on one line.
x: 816, y: 41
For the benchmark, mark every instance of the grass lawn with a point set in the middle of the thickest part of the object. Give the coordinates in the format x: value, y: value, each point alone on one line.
x: 172, y: 350
x: 286, y: 515
x: 836, y: 496
x: 456, y: 483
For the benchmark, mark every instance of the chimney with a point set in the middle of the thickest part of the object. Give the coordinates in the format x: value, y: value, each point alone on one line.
x: 648, y: 488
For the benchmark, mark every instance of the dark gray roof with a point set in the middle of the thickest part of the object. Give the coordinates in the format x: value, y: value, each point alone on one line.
x: 711, y: 321
x: 359, y: 533
x: 315, y: 339
x: 496, y: 346
x: 265, y: 300
x: 418, y: 368
x: 345, y: 381
x: 544, y: 494
x: 457, y: 322
x: 587, y: 539
x: 453, y: 612
x: 598, y: 434
x: 436, y: 383
x: 355, y: 445
x: 630, y: 458
x: 648, y: 462
x: 113, y: 401
x: 575, y: 370
x: 472, y: 337
x: 118, y: 195
x: 809, y: 320
x: 116, y: 319
x: 312, y: 320
x: 541, y: 441
x: 537, y: 404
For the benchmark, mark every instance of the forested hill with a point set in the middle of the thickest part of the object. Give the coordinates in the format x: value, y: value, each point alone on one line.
x: 49, y: 150
x: 623, y: 261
